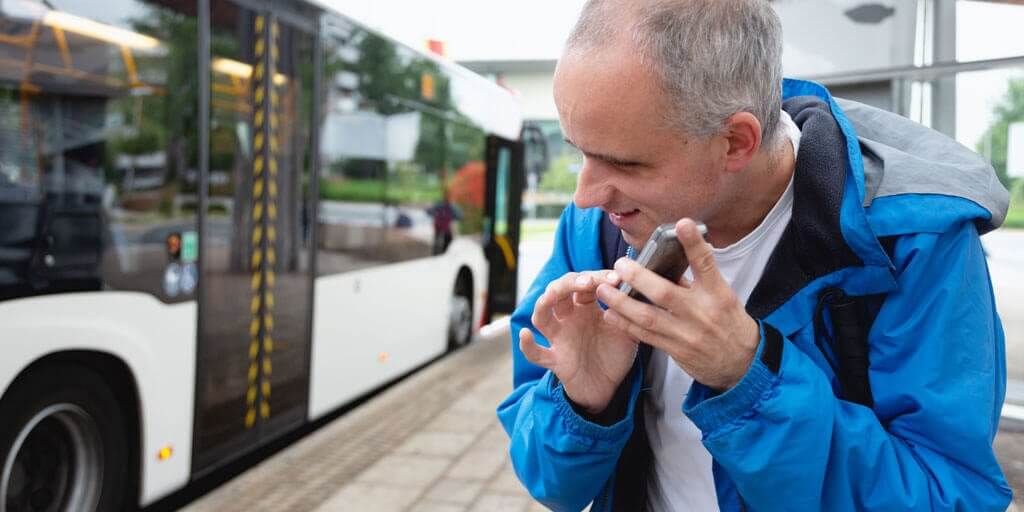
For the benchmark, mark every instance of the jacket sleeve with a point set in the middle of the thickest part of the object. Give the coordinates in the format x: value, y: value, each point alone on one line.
x: 562, y: 459
x: 938, y: 377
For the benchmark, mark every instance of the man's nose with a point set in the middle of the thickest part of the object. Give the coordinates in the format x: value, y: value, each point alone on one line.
x: 592, y: 187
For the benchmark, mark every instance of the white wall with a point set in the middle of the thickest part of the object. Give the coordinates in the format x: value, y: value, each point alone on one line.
x: 535, y: 91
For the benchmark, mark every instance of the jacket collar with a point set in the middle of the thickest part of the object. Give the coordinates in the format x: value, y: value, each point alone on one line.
x: 828, y: 241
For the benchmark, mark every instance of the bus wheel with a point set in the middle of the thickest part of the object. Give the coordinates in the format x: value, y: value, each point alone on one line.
x: 61, y: 443
x: 460, y: 317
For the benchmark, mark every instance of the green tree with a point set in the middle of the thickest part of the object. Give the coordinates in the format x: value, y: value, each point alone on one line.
x: 560, y: 177
x: 993, y: 142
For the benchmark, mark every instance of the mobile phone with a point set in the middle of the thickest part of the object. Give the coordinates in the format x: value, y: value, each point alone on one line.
x: 663, y: 255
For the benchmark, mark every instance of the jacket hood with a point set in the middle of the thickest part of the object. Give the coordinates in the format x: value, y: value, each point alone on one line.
x: 902, y: 157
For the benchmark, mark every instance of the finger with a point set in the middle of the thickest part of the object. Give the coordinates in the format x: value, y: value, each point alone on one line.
x: 584, y: 287
x: 635, y: 331
x: 534, y: 353
x: 543, y: 317
x: 650, y: 319
x: 659, y: 290
x: 698, y: 252
x: 587, y: 282
x: 563, y: 307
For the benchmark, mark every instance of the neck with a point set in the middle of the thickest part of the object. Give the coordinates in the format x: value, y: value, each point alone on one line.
x: 756, y: 190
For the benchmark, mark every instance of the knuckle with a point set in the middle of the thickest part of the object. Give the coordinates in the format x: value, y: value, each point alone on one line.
x: 661, y: 295
x: 705, y: 261
x: 647, y: 319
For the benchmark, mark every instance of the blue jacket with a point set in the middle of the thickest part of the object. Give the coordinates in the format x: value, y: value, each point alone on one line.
x: 781, y: 439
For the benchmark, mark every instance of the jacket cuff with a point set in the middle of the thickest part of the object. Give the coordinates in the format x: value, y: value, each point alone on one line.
x: 577, y: 424
x: 711, y: 411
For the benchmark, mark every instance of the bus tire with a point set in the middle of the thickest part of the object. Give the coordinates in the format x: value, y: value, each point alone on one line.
x: 62, y: 443
x: 460, y: 317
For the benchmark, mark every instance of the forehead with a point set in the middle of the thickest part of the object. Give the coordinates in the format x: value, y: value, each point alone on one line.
x: 607, y: 93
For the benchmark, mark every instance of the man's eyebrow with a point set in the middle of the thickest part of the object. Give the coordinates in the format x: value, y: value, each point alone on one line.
x: 614, y: 160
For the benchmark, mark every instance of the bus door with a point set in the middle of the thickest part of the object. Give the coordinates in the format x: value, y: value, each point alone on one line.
x: 256, y: 264
x: 503, y: 213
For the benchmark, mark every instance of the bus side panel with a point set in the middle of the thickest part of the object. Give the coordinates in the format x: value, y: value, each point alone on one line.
x: 374, y: 325
x: 155, y: 340
x: 371, y: 326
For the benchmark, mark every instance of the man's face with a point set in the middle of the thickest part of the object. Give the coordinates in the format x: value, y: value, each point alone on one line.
x: 636, y: 168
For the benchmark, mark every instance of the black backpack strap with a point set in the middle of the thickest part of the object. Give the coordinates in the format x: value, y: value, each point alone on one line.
x: 852, y: 317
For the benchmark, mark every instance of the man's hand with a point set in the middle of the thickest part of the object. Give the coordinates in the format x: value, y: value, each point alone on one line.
x: 701, y: 324
x: 589, y: 356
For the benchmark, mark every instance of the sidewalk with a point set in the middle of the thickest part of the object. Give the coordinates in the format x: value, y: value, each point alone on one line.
x: 429, y: 444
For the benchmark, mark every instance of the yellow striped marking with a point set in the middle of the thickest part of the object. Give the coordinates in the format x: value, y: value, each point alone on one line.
x: 506, y: 250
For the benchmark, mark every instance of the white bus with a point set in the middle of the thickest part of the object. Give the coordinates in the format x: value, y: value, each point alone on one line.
x: 221, y: 220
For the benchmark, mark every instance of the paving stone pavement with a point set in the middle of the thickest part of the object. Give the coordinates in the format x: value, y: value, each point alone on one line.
x: 429, y: 444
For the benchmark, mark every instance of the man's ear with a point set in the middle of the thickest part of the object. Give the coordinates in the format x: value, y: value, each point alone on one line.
x: 742, y: 132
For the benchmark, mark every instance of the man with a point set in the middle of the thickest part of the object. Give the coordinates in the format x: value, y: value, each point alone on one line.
x: 736, y: 388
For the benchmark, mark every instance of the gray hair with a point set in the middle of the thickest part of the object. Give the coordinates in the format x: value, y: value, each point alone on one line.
x: 713, y: 58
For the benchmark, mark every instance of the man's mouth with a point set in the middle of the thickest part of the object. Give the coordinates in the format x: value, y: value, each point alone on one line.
x: 617, y: 217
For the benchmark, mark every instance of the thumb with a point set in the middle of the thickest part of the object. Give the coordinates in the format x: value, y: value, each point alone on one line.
x: 534, y: 353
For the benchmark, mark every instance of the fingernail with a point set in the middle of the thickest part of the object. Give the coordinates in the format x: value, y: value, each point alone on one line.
x: 583, y: 280
x: 613, y: 277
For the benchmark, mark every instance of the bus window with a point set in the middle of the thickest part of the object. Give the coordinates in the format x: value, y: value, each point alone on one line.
x: 98, y: 165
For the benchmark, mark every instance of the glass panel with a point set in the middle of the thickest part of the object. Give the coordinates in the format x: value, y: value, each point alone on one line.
x: 225, y: 341
x: 401, y: 172
x: 988, y: 30
x: 501, y: 193
x: 287, y: 301
x: 549, y: 187
x: 97, y: 164
x: 466, y: 186
x: 254, y: 344
x: 823, y: 38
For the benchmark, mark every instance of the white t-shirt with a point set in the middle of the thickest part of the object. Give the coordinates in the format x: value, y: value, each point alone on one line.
x: 682, y: 479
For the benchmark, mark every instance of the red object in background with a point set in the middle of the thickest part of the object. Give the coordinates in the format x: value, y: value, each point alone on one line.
x: 438, y: 47
x: 467, y: 185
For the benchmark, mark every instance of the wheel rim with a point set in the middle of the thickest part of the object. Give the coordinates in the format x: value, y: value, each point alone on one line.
x: 461, y: 320
x: 54, y: 464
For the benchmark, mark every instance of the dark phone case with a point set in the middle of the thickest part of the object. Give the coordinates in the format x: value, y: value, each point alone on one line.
x: 663, y: 255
